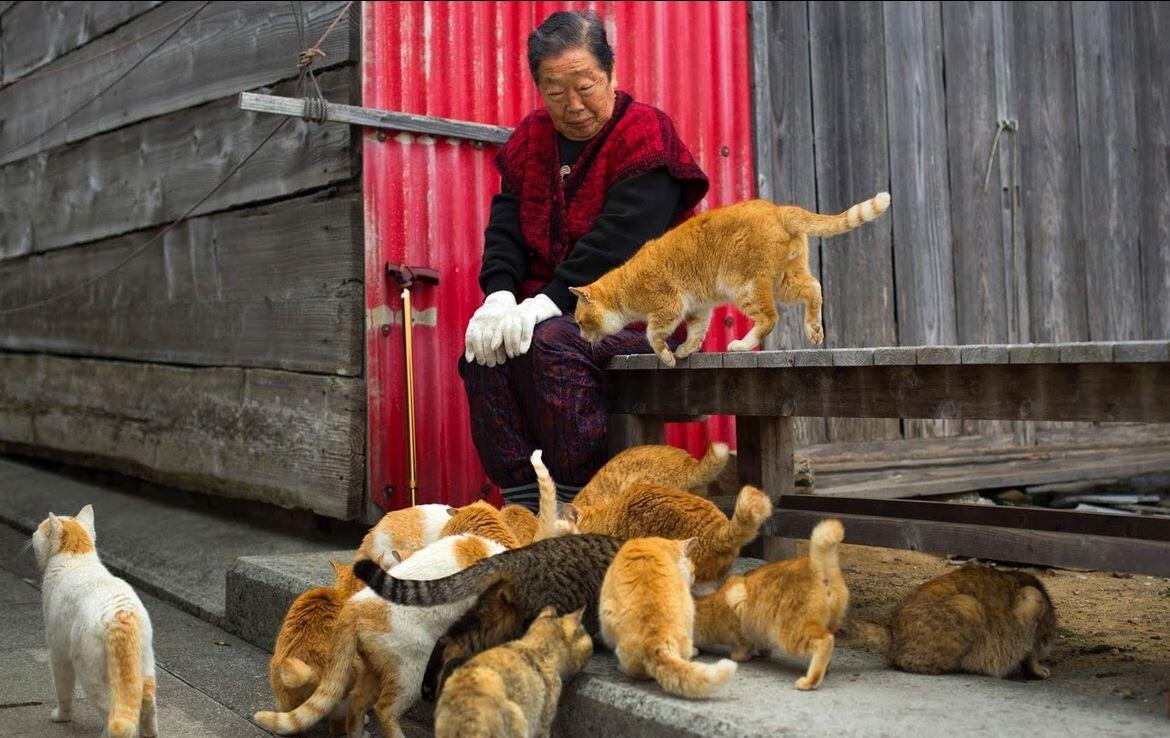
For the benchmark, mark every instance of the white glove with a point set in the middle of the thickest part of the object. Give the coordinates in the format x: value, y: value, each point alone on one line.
x: 483, y: 342
x: 520, y: 322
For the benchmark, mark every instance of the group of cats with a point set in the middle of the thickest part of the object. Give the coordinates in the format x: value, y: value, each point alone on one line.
x: 492, y: 610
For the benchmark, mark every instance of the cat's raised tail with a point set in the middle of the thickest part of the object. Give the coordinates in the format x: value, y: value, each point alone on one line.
x: 711, y: 465
x: 547, y: 516
x: 690, y: 679
x: 799, y: 220
x: 124, y: 666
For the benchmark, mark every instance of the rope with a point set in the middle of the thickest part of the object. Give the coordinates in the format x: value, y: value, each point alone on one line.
x: 156, y: 238
x: 106, y: 89
x: 84, y: 62
x: 306, y: 57
x: 316, y: 108
x: 1001, y: 126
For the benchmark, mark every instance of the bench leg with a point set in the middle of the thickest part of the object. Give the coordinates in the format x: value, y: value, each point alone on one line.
x: 624, y: 431
x: 764, y: 458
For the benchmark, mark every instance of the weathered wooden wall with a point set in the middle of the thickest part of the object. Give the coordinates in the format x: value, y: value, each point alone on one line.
x: 228, y: 356
x: 1069, y: 240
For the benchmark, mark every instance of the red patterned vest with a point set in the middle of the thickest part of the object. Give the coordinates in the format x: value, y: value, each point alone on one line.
x: 555, y: 214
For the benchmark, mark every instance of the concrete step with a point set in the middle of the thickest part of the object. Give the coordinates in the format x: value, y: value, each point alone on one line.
x: 859, y: 697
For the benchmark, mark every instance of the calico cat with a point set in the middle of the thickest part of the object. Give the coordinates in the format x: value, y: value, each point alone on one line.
x: 643, y: 510
x: 481, y: 519
x: 392, y: 642
x: 564, y: 572
x: 497, y: 616
x: 975, y: 619
x: 794, y: 605
x: 404, y: 531
x: 303, y: 644
x: 661, y: 466
x: 648, y: 617
x: 97, y: 630
x: 513, y: 690
x: 753, y: 253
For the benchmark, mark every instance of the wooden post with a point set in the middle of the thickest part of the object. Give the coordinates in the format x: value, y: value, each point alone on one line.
x: 764, y: 459
x: 633, y: 430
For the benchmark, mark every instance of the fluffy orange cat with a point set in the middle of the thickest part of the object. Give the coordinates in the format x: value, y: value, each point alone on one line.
x: 523, y: 523
x: 644, y: 510
x: 794, y: 605
x: 483, y: 520
x: 662, y: 466
x: 302, y: 647
x: 648, y: 617
x: 753, y: 253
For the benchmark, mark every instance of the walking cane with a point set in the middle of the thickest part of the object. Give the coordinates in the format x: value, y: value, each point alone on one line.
x: 406, y: 276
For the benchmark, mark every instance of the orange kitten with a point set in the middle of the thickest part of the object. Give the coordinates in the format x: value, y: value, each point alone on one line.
x: 661, y: 466
x: 302, y: 647
x: 404, y: 531
x: 793, y: 605
x: 643, y: 510
x: 753, y: 253
x: 648, y: 617
x: 483, y: 520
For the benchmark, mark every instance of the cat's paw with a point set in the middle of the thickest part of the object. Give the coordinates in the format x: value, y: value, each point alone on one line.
x: 805, y: 684
x: 1041, y: 672
x: 742, y: 654
x: 815, y: 333
x: 666, y: 357
x: 59, y: 715
x: 685, y: 350
x: 741, y: 344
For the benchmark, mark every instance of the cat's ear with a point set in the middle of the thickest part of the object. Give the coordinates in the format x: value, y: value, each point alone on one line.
x: 574, y: 618
x: 571, y: 513
x: 336, y: 566
x: 548, y: 612
x: 54, y: 524
x: 689, y: 545
x: 85, y: 517
x: 397, y: 556
x: 451, y: 511
x: 582, y: 293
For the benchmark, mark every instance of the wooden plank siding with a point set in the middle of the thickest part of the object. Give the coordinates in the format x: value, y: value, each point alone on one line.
x: 49, y: 30
x: 291, y: 439
x: 227, y: 48
x: 1070, y: 238
x: 852, y: 164
x: 273, y: 286
x: 151, y: 173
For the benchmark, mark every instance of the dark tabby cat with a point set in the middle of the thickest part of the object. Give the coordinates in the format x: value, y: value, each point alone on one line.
x: 564, y: 572
x: 496, y: 617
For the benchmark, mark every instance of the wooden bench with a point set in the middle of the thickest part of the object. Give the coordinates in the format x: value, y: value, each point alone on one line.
x: 1112, y: 382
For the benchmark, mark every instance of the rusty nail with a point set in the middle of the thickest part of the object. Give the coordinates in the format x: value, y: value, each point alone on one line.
x: 729, y: 321
x: 386, y: 330
x: 388, y: 490
x: 382, y: 136
x: 477, y: 144
x: 725, y: 151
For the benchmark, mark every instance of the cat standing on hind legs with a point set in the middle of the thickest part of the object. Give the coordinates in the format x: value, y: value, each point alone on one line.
x: 752, y: 253
x: 97, y: 630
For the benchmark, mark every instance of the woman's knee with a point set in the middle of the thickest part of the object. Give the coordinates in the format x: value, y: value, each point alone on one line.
x: 556, y: 335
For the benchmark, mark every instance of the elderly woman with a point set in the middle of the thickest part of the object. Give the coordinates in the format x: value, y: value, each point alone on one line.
x: 584, y: 183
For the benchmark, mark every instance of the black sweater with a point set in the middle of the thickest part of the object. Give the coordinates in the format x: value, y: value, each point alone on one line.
x: 636, y: 210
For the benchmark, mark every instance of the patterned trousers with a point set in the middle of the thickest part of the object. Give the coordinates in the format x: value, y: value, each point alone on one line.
x: 550, y: 398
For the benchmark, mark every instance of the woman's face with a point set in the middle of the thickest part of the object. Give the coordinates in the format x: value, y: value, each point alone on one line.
x: 577, y: 92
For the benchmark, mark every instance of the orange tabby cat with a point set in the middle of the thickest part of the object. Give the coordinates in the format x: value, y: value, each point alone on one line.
x: 794, y: 605
x: 302, y: 647
x: 484, y: 520
x: 662, y: 466
x: 753, y: 253
x: 648, y: 617
x: 644, y: 510
x: 522, y: 522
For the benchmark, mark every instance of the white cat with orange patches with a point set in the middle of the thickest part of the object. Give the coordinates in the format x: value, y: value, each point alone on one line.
x: 97, y: 629
x: 393, y: 642
x: 404, y: 531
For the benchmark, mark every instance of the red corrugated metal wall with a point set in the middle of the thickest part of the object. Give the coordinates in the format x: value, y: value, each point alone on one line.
x: 427, y: 200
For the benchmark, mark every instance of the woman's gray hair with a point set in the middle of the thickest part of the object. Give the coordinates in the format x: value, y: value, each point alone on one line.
x: 567, y: 30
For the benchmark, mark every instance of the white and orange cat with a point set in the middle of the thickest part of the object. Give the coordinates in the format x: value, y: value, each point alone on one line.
x: 648, y: 617
x: 795, y: 605
x: 97, y: 629
x: 752, y: 253
x: 404, y: 531
x: 391, y: 643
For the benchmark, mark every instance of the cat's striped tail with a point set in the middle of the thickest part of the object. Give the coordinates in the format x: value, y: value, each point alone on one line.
x: 690, y: 679
x: 334, y: 683
x: 799, y: 220
x: 822, y: 549
x: 426, y: 592
x: 124, y: 672
x: 752, y: 509
x: 548, y: 499
x: 710, y: 466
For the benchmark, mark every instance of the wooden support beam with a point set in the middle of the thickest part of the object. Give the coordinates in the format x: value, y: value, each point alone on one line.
x: 374, y: 118
x: 764, y: 459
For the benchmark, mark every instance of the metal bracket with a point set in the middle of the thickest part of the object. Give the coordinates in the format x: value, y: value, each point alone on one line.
x: 406, y: 276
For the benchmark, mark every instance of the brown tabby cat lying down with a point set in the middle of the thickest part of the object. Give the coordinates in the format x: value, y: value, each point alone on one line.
x: 753, y: 253
x: 794, y: 605
x: 513, y: 689
x: 974, y: 619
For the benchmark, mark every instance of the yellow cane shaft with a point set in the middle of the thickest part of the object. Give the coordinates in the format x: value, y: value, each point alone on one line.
x: 408, y: 324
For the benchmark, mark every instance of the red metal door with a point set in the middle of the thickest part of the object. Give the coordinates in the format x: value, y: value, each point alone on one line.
x: 426, y: 200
